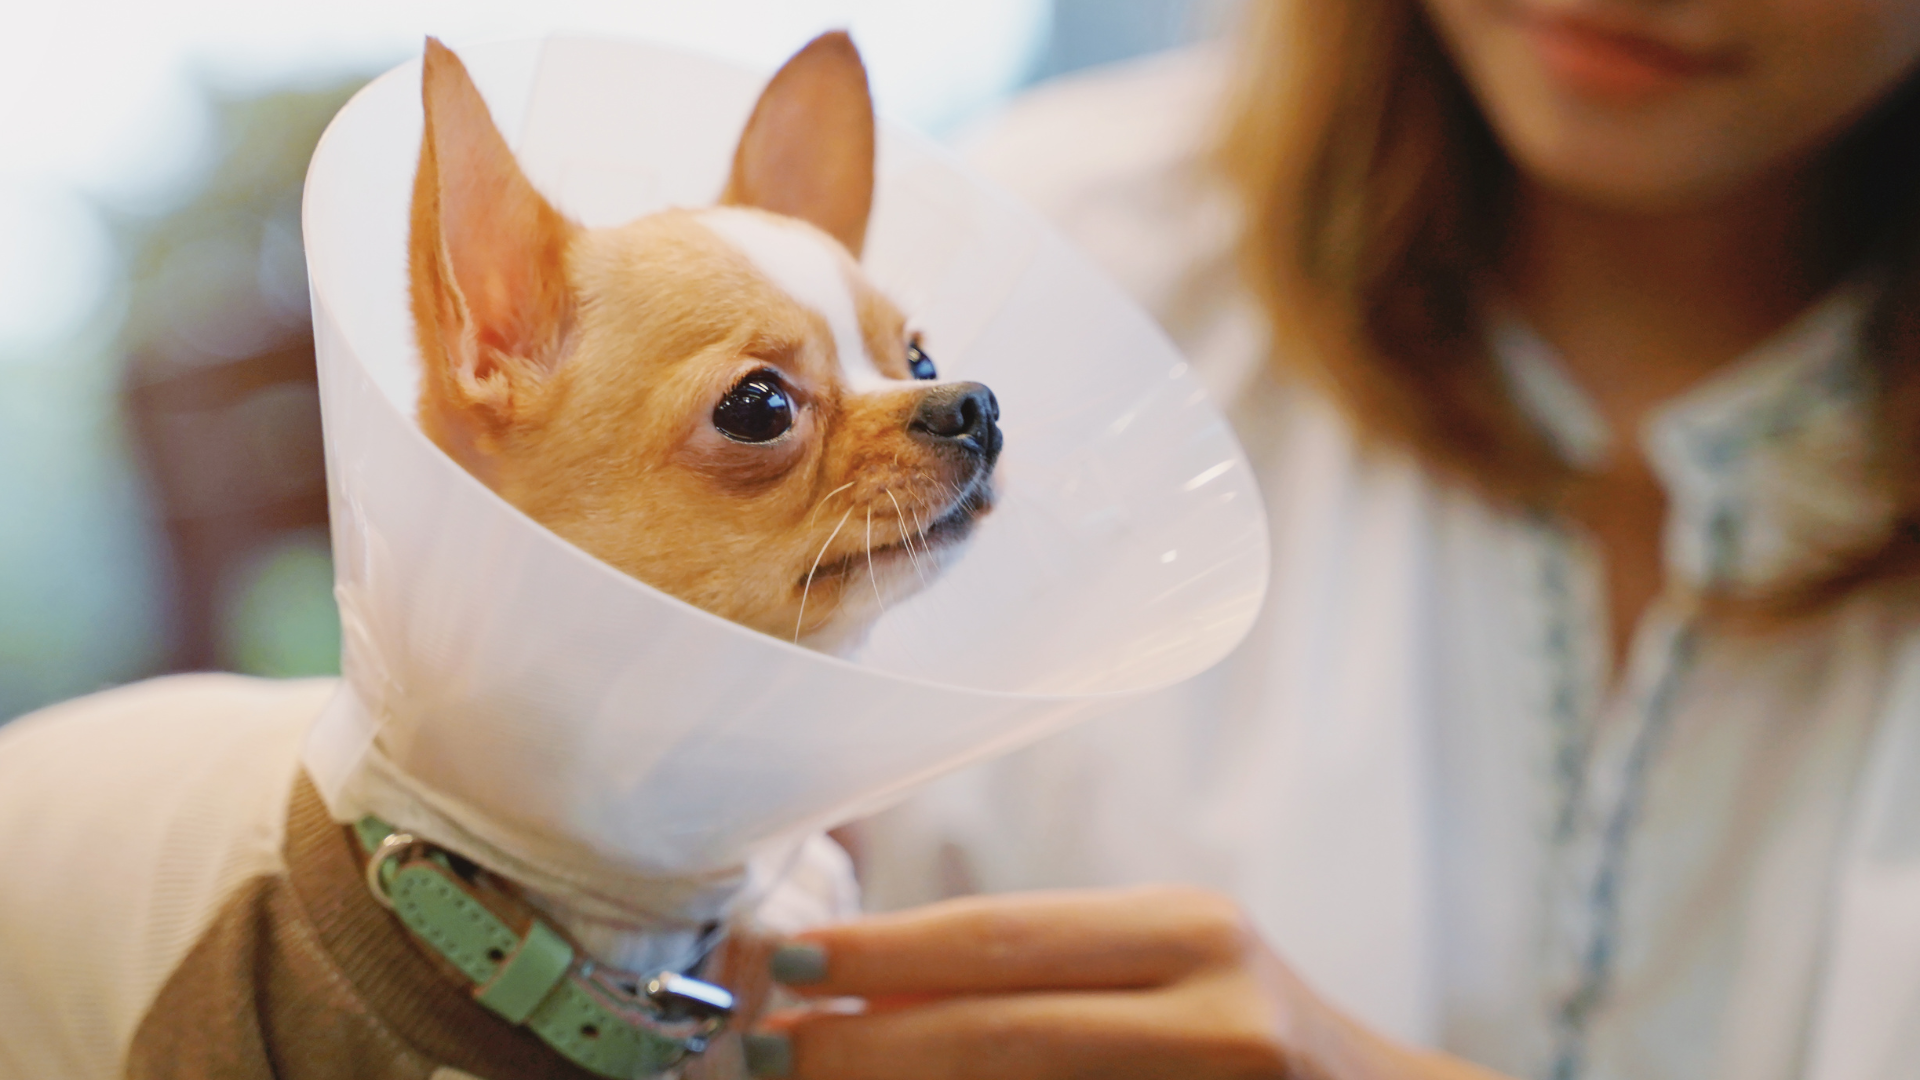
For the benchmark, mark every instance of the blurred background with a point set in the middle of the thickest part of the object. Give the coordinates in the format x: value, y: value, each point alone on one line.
x: 162, y: 501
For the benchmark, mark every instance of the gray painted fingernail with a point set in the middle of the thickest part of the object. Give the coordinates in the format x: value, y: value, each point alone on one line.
x: 768, y: 1054
x: 799, y: 963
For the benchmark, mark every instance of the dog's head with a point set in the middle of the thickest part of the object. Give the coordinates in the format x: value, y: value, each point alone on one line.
x: 715, y: 401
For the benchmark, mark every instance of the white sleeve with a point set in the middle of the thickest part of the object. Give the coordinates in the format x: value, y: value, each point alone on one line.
x: 126, y: 818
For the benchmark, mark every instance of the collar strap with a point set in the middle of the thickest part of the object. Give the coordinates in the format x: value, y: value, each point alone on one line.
x: 611, y: 1023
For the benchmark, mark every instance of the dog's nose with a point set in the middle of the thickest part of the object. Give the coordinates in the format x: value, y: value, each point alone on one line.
x: 964, y: 415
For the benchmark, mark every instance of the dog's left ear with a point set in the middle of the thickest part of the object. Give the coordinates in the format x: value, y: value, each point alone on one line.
x: 807, y: 151
x: 487, y: 267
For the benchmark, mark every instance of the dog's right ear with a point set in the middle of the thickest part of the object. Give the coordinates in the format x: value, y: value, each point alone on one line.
x: 487, y: 265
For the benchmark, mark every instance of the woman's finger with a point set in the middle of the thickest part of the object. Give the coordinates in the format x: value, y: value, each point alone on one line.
x: 1209, y: 1028
x: 1109, y: 939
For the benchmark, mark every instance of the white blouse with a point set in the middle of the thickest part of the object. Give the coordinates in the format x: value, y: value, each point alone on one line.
x: 1415, y: 774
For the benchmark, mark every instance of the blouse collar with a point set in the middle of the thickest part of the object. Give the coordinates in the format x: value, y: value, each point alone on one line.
x: 1766, y: 463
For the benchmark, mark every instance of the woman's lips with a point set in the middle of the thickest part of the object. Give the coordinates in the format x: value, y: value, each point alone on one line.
x: 1602, y: 61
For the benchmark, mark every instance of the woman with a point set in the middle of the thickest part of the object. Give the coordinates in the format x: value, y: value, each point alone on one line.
x: 1581, y: 736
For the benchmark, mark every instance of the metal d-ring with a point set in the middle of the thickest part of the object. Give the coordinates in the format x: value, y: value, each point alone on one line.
x: 681, y: 999
x: 681, y: 996
x: 394, y: 846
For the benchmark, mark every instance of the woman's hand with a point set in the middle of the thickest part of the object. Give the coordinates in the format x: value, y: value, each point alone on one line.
x: 1153, y: 982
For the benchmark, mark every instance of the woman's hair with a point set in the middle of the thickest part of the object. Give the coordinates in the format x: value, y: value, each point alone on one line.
x: 1374, y: 195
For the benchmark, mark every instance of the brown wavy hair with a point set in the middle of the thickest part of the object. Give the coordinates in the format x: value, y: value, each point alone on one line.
x: 1374, y: 196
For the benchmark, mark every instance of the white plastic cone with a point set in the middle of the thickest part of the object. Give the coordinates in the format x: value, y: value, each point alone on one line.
x: 511, y: 697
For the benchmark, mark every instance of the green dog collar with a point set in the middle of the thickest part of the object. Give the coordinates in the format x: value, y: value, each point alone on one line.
x: 611, y: 1023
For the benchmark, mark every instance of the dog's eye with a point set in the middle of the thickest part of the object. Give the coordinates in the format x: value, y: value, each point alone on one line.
x: 918, y: 362
x: 756, y: 411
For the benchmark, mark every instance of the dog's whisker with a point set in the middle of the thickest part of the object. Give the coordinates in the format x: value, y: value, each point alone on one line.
x: 823, y: 502
x: 919, y: 523
x: 801, y: 619
x: 907, y: 539
x: 871, y: 575
x: 947, y: 491
x: 900, y: 518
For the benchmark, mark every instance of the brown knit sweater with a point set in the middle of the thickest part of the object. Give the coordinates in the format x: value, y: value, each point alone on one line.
x: 305, y: 977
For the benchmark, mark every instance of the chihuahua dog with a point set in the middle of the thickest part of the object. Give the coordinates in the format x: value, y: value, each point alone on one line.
x: 716, y: 401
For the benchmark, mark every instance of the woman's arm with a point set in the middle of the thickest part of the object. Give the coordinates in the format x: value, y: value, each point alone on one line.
x: 1147, y: 982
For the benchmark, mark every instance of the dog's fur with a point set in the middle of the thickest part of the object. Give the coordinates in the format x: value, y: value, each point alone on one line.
x: 578, y: 371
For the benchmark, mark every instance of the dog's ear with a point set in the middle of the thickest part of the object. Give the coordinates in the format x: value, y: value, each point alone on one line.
x: 807, y: 151
x: 487, y: 263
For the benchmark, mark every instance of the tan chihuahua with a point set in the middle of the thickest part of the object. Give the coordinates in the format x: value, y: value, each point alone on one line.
x: 715, y: 401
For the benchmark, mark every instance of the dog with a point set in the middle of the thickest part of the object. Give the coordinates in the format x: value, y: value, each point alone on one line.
x: 715, y: 401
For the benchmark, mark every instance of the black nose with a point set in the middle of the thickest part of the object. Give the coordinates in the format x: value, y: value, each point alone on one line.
x: 961, y: 415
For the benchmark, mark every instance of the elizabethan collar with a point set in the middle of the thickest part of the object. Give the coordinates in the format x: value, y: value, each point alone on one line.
x: 510, y: 697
